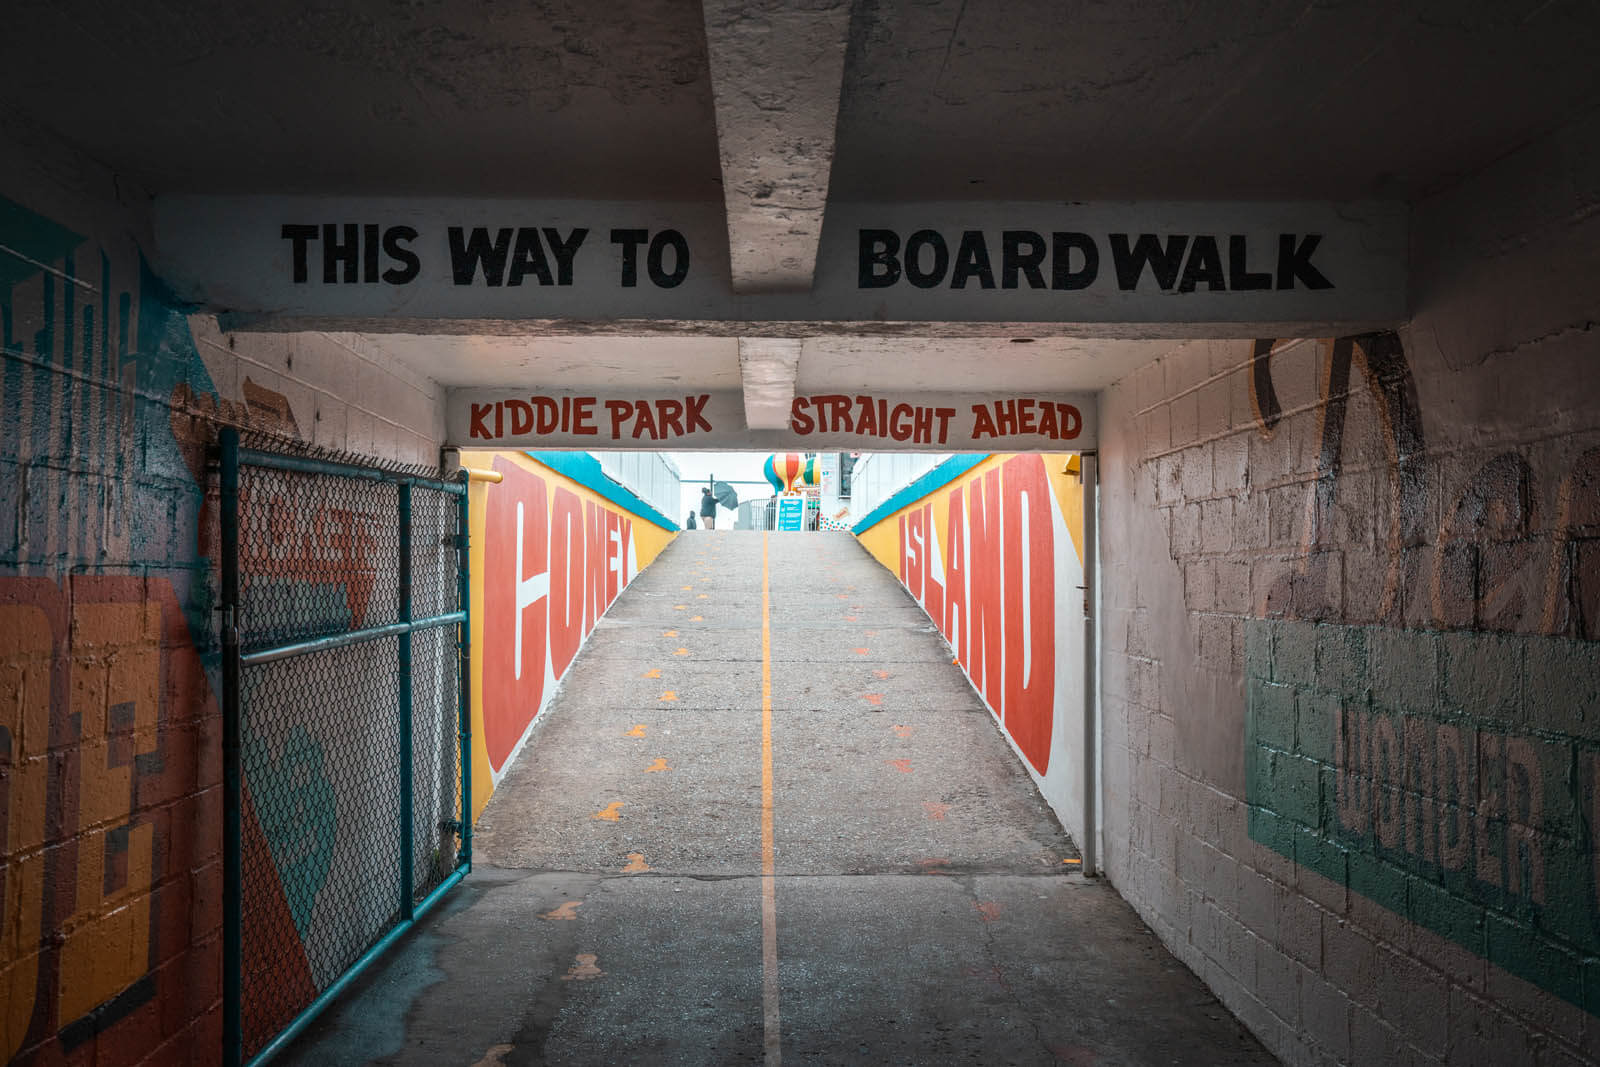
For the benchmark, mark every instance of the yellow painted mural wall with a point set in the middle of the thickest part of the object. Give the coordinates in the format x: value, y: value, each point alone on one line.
x: 578, y: 551
x: 995, y: 557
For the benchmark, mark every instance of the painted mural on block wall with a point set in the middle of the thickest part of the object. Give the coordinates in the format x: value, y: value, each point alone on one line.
x: 1423, y: 706
x: 549, y: 556
x: 994, y: 555
x: 110, y: 807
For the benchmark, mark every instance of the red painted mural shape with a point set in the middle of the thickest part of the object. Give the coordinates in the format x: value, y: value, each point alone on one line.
x: 553, y: 563
x: 1030, y: 612
x: 308, y: 547
x: 996, y: 605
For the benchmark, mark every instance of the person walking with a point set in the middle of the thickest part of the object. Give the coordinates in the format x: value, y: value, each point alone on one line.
x: 690, y: 524
x: 708, y: 508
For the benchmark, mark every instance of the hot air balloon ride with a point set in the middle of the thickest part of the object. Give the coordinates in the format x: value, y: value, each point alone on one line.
x: 783, y: 470
x: 786, y: 471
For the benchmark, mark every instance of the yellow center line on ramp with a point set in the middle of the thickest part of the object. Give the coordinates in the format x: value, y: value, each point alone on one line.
x: 769, y: 891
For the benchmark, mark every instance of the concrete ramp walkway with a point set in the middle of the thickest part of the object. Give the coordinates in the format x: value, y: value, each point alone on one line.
x: 766, y: 818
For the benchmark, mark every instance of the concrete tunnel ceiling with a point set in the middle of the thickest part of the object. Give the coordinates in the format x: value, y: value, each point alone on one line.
x: 770, y: 117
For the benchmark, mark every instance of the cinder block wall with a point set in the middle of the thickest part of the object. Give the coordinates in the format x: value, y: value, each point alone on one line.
x: 110, y: 811
x: 1351, y: 671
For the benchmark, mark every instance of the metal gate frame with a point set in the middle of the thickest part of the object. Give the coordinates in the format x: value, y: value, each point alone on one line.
x: 409, y: 910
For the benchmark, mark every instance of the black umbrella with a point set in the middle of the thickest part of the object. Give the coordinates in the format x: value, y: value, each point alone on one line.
x: 725, y: 495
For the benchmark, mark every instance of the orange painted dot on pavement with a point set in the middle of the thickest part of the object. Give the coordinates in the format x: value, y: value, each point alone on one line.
x: 653, y: 672
x: 687, y: 588
x: 636, y: 864
x: 988, y: 910
x: 872, y: 633
x: 901, y: 765
x: 862, y: 651
x: 669, y: 633
x: 584, y: 969
x: 679, y: 607
x: 875, y: 699
x: 669, y: 695
x: 659, y: 765
x: 638, y: 730
x: 610, y: 813
x: 1073, y: 862
x: 902, y: 731
x: 681, y: 652
x: 568, y: 911
x: 881, y: 674
x: 851, y: 618
x: 702, y: 596
x: 936, y: 811
x: 698, y: 618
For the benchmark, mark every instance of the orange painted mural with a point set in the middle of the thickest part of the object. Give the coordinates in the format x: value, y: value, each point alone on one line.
x: 111, y: 833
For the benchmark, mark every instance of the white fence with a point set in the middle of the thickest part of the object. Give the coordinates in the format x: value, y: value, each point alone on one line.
x: 879, y: 475
x: 651, y: 475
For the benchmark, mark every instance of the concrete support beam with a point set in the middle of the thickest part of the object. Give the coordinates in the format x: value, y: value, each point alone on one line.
x: 776, y: 71
x: 768, y: 367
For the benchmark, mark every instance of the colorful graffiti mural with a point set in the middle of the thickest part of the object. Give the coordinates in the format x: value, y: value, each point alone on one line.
x: 549, y: 555
x: 1421, y: 701
x: 110, y: 810
x: 108, y: 800
x: 992, y: 549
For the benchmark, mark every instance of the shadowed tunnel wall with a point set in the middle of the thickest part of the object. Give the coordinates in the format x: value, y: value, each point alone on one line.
x: 110, y: 802
x: 1351, y: 679
x: 991, y: 547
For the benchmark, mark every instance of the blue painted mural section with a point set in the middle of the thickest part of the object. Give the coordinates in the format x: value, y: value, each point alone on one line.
x: 105, y: 486
x: 943, y: 474
x: 584, y: 469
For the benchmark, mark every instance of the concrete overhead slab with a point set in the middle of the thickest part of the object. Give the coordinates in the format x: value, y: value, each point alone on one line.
x: 638, y: 304
x: 1174, y: 269
x: 938, y: 100
x: 924, y: 914
x: 775, y: 72
x: 657, y: 364
x: 768, y: 367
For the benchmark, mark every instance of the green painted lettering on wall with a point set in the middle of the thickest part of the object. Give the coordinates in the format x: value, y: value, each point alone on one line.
x: 1453, y: 778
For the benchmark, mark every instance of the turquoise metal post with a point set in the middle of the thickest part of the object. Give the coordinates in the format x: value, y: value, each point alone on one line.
x: 407, y: 890
x: 232, y: 786
x: 464, y: 605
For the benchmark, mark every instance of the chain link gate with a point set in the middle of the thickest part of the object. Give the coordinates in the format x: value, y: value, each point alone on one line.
x: 346, y: 748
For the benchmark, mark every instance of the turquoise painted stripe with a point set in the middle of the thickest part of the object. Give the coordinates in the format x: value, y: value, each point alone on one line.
x: 943, y: 474
x: 584, y: 469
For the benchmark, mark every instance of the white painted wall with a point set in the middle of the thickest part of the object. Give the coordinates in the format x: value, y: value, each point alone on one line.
x: 880, y: 475
x: 1254, y: 599
x: 652, y: 476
